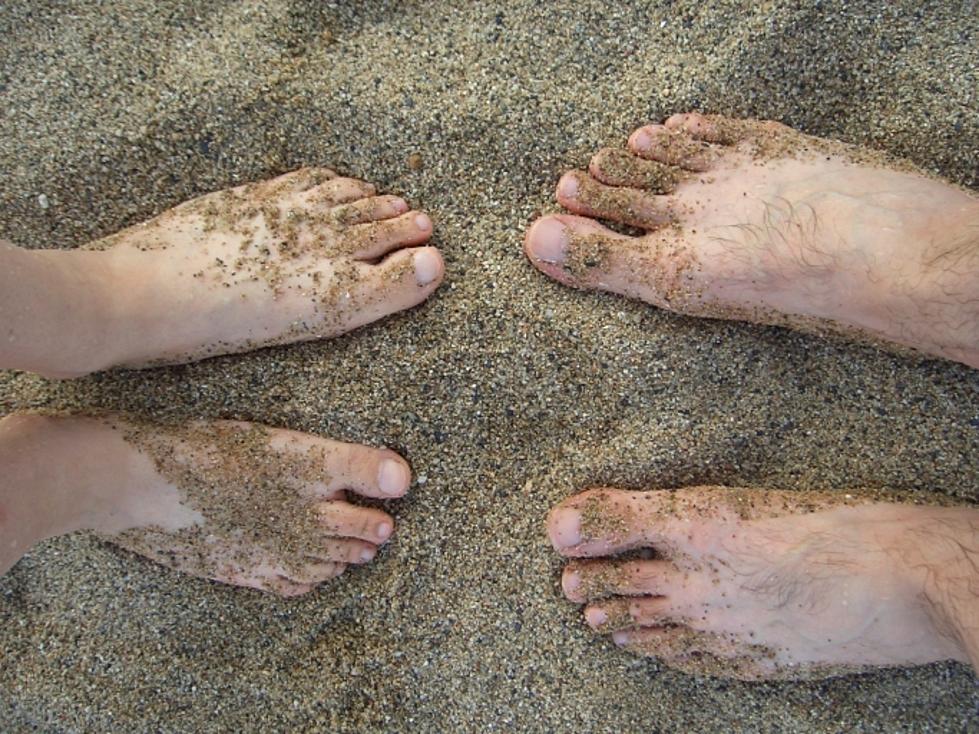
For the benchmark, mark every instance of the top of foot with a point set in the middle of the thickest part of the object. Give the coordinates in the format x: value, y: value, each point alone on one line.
x: 752, y: 220
x: 307, y: 255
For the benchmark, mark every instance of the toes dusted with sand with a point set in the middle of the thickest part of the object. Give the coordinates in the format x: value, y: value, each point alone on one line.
x: 304, y: 256
x: 235, y: 502
x: 758, y: 585
x: 751, y: 220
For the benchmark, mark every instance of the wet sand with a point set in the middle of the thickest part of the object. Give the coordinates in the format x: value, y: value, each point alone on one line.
x: 506, y: 392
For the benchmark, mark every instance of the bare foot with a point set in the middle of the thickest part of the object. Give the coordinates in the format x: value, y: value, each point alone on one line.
x: 760, y: 584
x: 752, y: 220
x: 303, y: 256
x: 234, y: 502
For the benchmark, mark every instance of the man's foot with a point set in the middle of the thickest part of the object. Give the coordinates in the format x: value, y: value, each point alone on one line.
x: 752, y: 220
x: 303, y: 256
x: 235, y: 502
x: 760, y: 584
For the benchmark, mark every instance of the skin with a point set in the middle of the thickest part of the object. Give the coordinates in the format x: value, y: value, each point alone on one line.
x: 807, y: 240
x: 307, y: 255
x: 155, y: 294
x: 751, y: 220
x: 804, y: 585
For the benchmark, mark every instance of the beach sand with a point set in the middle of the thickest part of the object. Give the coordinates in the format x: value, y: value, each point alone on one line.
x: 506, y: 391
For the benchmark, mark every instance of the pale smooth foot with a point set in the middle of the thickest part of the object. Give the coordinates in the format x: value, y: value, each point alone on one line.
x: 304, y: 256
x: 758, y: 584
x: 754, y: 221
x: 235, y: 502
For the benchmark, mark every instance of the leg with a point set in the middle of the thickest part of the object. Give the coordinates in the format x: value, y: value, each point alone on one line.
x: 304, y: 256
x: 751, y: 220
x: 235, y: 502
x: 762, y: 584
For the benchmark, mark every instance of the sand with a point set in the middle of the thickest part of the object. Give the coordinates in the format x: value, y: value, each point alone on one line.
x: 507, y: 392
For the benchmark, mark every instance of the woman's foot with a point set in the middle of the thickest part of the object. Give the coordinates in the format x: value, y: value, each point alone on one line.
x: 752, y: 220
x: 760, y: 584
x: 235, y: 502
x: 303, y: 256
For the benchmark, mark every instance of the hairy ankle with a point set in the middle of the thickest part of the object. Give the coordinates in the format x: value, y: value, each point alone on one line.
x: 941, y: 558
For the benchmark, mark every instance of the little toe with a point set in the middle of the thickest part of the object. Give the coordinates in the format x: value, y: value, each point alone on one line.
x: 591, y: 580
x: 376, y: 239
x: 701, y: 127
x: 343, y: 520
x: 693, y: 651
x: 310, y: 176
x: 339, y: 190
x: 346, y: 550
x: 583, y: 195
x: 370, y: 209
x: 600, y: 522
x: 673, y: 147
x: 621, y: 613
x: 618, y: 167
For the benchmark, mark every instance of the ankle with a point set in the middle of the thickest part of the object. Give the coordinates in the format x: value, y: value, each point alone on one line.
x: 57, y: 312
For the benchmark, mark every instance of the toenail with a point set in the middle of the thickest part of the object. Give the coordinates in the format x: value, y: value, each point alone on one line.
x: 620, y: 638
x: 569, y: 185
x: 642, y: 140
x: 367, y: 555
x: 566, y: 528
x: 549, y: 240
x: 392, y: 477
x: 423, y: 222
x: 384, y: 530
x: 596, y: 617
x: 427, y: 266
x: 572, y: 581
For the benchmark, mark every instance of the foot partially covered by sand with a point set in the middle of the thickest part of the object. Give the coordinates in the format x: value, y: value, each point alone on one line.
x: 235, y: 502
x: 307, y: 255
x: 760, y: 584
x: 752, y: 220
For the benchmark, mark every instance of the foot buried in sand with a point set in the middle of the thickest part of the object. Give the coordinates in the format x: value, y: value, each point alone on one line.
x: 235, y: 502
x: 754, y: 221
x: 758, y: 584
x: 307, y: 255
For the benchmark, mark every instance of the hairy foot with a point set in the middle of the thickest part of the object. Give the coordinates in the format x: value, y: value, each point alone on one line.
x: 307, y: 255
x: 752, y: 220
x: 235, y: 502
x: 760, y: 584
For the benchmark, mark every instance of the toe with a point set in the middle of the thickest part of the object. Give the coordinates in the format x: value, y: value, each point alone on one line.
x: 370, y: 209
x: 617, y: 167
x: 583, y: 195
x: 346, y: 550
x: 700, y: 127
x: 377, y: 239
x: 580, y: 252
x: 340, y: 190
x: 601, y: 522
x: 590, y: 580
x: 343, y: 520
x: 620, y: 613
x: 673, y: 147
x: 698, y: 652
x: 335, y: 466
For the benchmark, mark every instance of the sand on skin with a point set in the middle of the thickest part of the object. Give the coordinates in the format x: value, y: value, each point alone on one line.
x: 506, y: 392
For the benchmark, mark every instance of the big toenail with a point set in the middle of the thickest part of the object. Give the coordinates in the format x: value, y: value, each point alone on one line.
x: 392, y: 477
x: 642, y: 140
x: 426, y: 266
x: 423, y: 222
x: 596, y: 617
x: 384, y: 530
x: 566, y: 528
x: 549, y: 240
x: 569, y: 185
